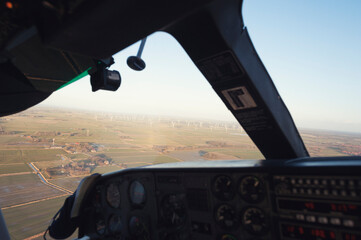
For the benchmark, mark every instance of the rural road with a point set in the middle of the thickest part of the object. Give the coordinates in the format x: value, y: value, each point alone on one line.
x: 43, y: 179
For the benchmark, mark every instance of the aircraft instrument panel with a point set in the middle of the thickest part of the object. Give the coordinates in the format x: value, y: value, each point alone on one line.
x: 243, y: 203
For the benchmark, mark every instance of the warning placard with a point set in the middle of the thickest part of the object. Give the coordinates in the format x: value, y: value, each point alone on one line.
x: 239, y: 98
x: 220, y: 68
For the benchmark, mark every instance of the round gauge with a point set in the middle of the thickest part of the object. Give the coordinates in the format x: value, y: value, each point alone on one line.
x: 137, y: 227
x: 137, y: 193
x: 227, y: 237
x: 174, y: 210
x: 252, y: 189
x: 100, y: 225
x: 222, y: 187
x: 115, y: 224
x: 226, y: 216
x: 254, y: 220
x: 113, y: 195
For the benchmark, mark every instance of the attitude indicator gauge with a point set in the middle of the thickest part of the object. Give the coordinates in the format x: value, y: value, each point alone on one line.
x: 137, y: 193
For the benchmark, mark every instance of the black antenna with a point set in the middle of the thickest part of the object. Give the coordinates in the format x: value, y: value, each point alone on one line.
x: 136, y: 62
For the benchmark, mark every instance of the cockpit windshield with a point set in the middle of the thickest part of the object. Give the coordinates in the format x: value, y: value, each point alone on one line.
x: 169, y: 112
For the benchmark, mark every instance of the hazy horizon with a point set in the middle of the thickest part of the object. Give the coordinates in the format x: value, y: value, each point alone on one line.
x: 173, y: 117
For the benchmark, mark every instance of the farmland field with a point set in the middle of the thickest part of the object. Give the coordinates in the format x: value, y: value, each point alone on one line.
x: 63, y: 146
x: 20, y: 189
x: 30, y: 220
x: 70, y: 183
x: 14, y: 168
x: 33, y: 155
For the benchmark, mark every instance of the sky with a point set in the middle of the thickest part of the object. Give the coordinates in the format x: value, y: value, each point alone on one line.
x: 311, y: 49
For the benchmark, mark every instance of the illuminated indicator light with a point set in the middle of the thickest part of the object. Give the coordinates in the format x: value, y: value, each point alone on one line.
x: 9, y: 5
x: 310, y: 218
x: 348, y: 223
x: 310, y: 205
x: 300, y: 230
x: 323, y: 220
x: 300, y: 217
x: 332, y: 235
x: 343, y: 207
x: 335, y: 221
x: 318, y: 233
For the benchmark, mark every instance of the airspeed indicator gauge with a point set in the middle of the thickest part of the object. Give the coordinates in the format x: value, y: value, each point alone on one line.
x: 251, y: 189
x: 223, y: 188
